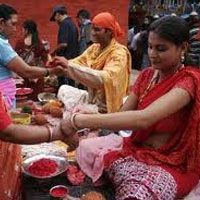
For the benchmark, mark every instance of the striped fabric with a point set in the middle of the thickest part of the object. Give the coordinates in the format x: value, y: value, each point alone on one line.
x: 8, y: 89
x: 194, y: 51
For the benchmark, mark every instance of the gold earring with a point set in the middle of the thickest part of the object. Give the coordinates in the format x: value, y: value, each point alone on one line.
x: 182, y: 57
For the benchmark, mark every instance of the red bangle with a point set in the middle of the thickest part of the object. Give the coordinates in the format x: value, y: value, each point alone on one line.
x: 50, y: 130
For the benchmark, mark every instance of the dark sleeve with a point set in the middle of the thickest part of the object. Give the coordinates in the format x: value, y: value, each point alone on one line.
x: 64, y: 33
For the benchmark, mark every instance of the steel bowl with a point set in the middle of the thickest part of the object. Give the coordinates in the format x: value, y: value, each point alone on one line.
x: 61, y: 162
x: 45, y: 97
x: 58, y: 187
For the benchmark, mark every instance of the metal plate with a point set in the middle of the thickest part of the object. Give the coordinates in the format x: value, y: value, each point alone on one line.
x: 61, y: 162
x: 45, y: 97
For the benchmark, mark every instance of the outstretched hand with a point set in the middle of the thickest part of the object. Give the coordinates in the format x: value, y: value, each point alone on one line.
x: 60, y: 61
x: 66, y: 126
x: 71, y: 140
x: 58, y: 70
x: 85, y: 109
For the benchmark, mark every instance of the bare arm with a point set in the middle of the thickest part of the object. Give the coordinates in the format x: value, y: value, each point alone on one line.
x: 88, y: 77
x: 134, y: 120
x: 22, y: 134
x: 75, y: 69
x: 130, y: 103
x: 24, y: 70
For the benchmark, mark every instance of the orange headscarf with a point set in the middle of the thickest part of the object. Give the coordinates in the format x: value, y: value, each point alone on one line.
x: 106, y: 20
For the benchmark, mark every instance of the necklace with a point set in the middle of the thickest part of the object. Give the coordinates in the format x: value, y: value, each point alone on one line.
x: 155, y: 80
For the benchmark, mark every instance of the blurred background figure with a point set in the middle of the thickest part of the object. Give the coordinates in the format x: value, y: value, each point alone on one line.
x: 31, y: 49
x: 84, y: 22
x: 139, y: 45
x: 67, y: 41
x: 193, y: 58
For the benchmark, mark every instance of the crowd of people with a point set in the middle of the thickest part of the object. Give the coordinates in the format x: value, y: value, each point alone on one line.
x: 160, y: 159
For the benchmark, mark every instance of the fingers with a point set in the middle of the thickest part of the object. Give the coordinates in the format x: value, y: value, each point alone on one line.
x: 72, y: 143
x: 58, y: 60
x: 71, y: 148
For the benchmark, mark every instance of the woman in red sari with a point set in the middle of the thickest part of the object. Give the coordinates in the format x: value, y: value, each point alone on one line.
x: 33, y: 52
x: 161, y: 160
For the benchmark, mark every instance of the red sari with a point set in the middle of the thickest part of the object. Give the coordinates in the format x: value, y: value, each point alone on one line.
x: 180, y: 157
x: 34, y: 57
x: 10, y: 161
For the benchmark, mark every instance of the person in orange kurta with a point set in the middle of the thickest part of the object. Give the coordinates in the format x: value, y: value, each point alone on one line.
x: 104, y: 67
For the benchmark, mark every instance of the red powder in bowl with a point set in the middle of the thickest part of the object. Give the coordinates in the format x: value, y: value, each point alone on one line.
x: 43, y: 167
x: 59, y: 192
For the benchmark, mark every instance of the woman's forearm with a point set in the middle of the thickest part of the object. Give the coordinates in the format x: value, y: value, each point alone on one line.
x: 129, y: 120
x: 22, y: 134
x: 36, y: 72
x: 24, y: 70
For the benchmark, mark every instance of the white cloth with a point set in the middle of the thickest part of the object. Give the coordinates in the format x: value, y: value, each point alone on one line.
x: 71, y: 96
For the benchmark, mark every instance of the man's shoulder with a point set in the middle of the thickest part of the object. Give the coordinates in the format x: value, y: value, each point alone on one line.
x: 67, y: 21
x: 119, y: 47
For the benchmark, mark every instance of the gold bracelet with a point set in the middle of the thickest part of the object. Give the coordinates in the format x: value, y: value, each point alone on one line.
x: 50, y: 130
x: 72, y: 120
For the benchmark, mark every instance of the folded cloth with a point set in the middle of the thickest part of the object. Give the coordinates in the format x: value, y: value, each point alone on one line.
x: 91, y: 151
x: 71, y: 96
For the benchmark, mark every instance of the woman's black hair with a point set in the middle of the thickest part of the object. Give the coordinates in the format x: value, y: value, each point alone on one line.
x: 6, y: 11
x: 171, y: 28
x: 31, y: 28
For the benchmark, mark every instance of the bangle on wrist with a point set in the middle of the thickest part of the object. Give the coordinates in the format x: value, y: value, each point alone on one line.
x: 50, y: 130
x: 72, y: 120
x: 47, y: 72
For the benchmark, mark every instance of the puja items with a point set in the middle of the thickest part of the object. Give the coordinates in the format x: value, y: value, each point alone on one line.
x: 75, y: 175
x: 93, y: 196
x: 43, y: 167
x: 45, y: 97
x: 23, y: 91
x: 20, y: 118
x: 40, y: 119
x: 22, y: 95
x: 54, y: 108
x: 58, y: 192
